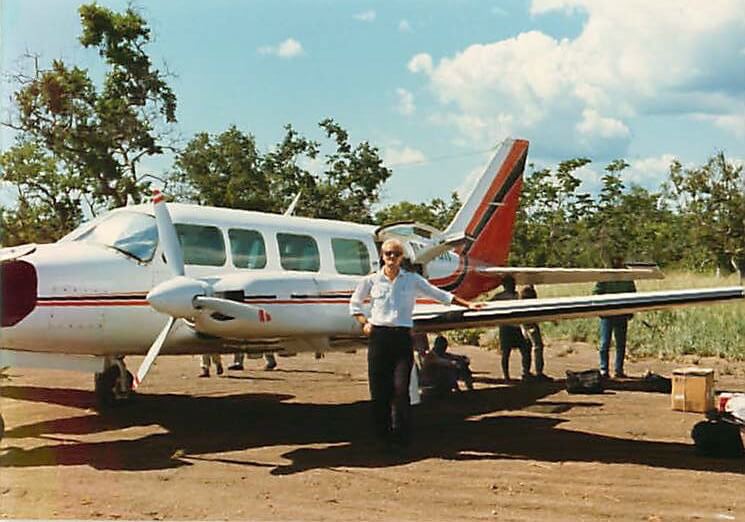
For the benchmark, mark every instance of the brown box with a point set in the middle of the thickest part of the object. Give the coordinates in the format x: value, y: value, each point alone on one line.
x: 693, y: 389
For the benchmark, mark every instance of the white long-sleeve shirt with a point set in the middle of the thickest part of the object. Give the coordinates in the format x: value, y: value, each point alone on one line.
x: 393, y: 301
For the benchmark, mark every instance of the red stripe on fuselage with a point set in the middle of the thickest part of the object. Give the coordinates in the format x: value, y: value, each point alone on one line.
x: 109, y: 302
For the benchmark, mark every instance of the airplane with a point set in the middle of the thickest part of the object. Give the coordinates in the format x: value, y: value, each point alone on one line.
x: 174, y: 279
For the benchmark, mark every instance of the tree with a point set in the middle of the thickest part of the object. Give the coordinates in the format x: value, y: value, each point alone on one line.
x: 550, y: 229
x: 436, y: 213
x: 76, y: 140
x: 711, y: 199
x: 224, y: 171
x: 228, y: 170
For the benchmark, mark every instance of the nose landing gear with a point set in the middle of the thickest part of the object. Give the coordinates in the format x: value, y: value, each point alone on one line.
x: 114, y: 384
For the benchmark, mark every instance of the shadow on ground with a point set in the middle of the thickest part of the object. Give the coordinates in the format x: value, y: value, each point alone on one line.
x: 460, y: 427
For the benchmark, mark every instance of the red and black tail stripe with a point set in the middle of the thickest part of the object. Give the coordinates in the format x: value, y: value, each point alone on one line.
x: 489, y: 232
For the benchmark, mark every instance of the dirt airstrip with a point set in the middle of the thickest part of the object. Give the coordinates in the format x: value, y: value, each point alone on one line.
x: 292, y: 445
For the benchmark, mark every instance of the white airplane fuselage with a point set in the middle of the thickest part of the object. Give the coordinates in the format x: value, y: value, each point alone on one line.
x: 90, y: 298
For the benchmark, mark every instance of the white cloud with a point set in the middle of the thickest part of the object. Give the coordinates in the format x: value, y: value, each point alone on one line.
x: 394, y: 156
x: 405, y: 102
x: 287, y: 49
x: 421, y: 62
x: 499, y: 11
x: 365, y: 16
x: 648, y: 172
x: 593, y: 123
x: 631, y: 59
x: 404, y: 26
x: 734, y: 123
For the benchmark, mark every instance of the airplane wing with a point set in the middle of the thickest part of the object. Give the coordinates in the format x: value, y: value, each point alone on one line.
x: 432, y: 318
x: 535, y: 276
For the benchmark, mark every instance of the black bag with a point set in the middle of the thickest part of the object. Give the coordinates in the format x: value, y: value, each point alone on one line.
x: 715, y: 438
x: 657, y: 383
x: 588, y: 381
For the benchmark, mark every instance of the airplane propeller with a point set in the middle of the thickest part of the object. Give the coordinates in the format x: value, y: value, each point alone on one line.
x: 183, y: 297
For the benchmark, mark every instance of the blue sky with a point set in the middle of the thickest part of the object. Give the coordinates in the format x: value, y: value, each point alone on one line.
x: 435, y: 85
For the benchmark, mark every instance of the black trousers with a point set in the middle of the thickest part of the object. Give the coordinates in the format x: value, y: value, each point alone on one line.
x: 389, y: 360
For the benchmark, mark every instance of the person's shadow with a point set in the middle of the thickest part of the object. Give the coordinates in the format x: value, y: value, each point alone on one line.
x: 445, y: 428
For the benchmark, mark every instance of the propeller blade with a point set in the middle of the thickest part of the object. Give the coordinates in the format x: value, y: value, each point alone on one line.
x: 243, y: 311
x: 167, y: 234
x: 153, y: 352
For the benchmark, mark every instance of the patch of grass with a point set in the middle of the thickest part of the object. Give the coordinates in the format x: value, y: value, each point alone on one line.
x: 704, y: 330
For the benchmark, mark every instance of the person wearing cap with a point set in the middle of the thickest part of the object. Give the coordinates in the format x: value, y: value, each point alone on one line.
x: 614, y: 325
x: 392, y: 293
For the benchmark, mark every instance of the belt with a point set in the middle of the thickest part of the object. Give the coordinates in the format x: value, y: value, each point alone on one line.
x: 393, y: 328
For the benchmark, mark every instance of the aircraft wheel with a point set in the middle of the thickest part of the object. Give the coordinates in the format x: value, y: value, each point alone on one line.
x: 109, y: 388
x: 105, y: 386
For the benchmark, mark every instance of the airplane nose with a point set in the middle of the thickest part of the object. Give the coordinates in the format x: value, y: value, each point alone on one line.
x: 18, y: 291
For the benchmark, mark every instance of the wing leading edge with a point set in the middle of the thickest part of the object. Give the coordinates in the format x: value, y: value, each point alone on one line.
x: 430, y: 318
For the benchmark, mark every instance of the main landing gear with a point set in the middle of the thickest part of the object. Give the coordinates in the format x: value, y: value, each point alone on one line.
x: 114, y: 384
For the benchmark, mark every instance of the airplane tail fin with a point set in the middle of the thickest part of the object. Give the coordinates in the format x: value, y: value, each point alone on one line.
x: 487, y: 220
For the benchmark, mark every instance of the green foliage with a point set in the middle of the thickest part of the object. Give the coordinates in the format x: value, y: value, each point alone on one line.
x: 716, y: 330
x: 76, y: 140
x: 711, y: 200
x: 466, y: 336
x: 436, y: 213
x: 228, y: 170
x: 559, y: 226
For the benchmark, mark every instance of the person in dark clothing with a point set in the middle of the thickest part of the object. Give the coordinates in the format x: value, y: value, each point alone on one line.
x: 511, y: 336
x: 392, y: 293
x: 614, y: 325
x: 532, y: 335
x: 442, y: 370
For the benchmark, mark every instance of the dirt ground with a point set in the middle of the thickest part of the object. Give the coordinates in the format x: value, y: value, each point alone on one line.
x: 292, y: 445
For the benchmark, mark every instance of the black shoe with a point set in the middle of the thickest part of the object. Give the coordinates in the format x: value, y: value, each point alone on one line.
x: 620, y: 375
x: 236, y: 367
x: 205, y: 373
x: 529, y: 377
x: 270, y: 366
x: 542, y: 377
x: 219, y: 369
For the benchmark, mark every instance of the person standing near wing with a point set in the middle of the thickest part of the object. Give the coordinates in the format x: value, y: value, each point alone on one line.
x: 615, y: 325
x: 390, y: 356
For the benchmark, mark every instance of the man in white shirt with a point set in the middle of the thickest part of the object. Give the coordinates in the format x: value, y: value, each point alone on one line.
x: 390, y: 356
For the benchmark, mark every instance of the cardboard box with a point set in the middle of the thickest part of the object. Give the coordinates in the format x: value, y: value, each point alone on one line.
x: 693, y: 389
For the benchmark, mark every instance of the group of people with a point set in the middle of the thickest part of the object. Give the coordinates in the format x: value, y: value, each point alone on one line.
x: 526, y: 338
x: 392, y: 293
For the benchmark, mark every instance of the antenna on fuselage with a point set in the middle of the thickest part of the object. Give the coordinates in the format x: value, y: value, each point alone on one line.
x: 291, y: 209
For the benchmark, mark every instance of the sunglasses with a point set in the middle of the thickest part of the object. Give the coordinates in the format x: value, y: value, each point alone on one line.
x: 392, y: 253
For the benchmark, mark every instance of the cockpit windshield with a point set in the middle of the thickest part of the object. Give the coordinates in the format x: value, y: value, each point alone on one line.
x: 131, y: 233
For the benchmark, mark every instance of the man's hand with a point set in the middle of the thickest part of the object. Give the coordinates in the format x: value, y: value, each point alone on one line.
x: 367, y: 329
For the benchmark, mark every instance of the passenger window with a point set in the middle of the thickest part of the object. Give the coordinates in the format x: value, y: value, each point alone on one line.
x: 202, y: 245
x: 247, y: 248
x: 350, y: 257
x: 299, y: 253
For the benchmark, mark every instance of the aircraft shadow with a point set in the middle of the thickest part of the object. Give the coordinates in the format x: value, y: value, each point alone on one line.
x: 448, y: 428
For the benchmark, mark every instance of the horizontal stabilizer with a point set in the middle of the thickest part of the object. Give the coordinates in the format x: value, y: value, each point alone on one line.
x: 542, y: 276
x: 426, y: 255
